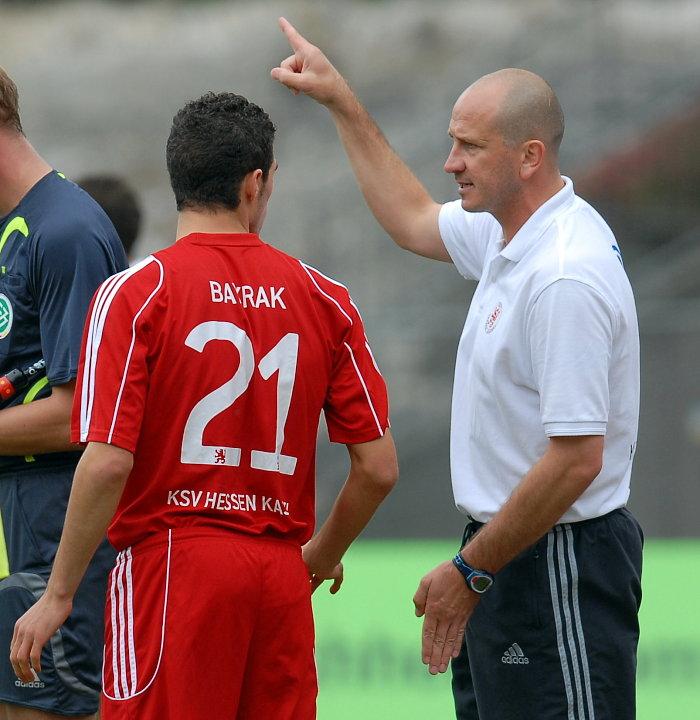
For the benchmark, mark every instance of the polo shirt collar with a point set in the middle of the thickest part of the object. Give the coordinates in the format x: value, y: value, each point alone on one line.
x: 538, y: 222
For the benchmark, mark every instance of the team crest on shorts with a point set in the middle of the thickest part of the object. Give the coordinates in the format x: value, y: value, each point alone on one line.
x: 493, y: 318
x: 6, y: 316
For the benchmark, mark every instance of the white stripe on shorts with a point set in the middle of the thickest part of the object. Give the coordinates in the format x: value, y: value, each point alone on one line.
x: 130, y: 621
x: 126, y: 636
x: 563, y: 585
x: 113, y: 609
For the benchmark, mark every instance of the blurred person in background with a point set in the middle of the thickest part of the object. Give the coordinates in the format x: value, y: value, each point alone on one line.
x: 545, y: 403
x: 199, y: 400
x: 119, y: 200
x: 56, y: 247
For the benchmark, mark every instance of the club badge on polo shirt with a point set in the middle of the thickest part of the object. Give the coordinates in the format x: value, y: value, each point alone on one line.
x: 6, y: 316
x: 493, y: 318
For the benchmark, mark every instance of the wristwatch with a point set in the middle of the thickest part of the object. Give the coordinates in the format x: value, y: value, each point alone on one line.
x: 479, y: 581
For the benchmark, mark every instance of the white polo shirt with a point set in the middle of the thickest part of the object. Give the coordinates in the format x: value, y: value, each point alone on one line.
x: 550, y: 347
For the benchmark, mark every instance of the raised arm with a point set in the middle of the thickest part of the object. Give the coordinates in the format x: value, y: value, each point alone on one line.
x: 395, y: 196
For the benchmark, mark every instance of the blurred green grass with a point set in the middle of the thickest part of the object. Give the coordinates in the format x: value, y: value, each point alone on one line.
x: 367, y: 637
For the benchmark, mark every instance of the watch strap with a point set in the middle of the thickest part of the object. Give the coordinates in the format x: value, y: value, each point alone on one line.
x: 479, y: 581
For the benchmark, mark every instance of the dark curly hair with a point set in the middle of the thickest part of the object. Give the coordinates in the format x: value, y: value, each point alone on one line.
x: 215, y: 141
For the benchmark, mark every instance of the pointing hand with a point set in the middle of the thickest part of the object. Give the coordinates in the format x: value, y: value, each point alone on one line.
x: 308, y: 70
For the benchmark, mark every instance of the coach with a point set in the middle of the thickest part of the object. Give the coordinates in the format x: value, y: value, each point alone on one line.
x: 545, y: 403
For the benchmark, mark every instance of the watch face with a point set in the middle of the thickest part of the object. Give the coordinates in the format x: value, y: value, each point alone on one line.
x: 481, y: 583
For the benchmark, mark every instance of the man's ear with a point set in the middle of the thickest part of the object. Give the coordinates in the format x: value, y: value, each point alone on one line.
x: 252, y: 185
x: 533, y: 154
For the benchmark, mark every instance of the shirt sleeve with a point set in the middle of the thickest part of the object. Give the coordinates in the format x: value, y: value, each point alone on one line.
x: 113, y: 375
x: 570, y: 331
x: 466, y: 237
x: 357, y: 403
x: 66, y: 270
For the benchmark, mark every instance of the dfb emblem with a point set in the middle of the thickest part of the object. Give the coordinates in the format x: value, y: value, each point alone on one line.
x: 6, y: 315
x: 493, y: 318
x: 220, y: 456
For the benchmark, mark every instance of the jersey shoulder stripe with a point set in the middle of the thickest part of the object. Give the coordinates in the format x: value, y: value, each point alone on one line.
x: 137, y: 315
x: 104, y: 299
x: 365, y: 389
x: 329, y: 289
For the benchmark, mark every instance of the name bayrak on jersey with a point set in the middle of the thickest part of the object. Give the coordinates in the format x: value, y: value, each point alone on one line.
x: 227, y: 502
x: 246, y: 295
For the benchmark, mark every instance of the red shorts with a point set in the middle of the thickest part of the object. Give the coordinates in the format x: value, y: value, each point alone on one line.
x: 211, y: 625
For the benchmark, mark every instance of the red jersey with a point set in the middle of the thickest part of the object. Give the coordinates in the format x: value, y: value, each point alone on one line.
x: 211, y: 362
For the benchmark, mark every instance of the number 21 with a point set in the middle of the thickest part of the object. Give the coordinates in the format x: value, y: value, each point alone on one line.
x: 281, y: 359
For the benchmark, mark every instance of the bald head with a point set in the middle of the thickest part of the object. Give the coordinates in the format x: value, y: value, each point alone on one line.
x: 523, y: 106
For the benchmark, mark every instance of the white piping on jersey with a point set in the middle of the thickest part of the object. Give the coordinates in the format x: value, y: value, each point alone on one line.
x: 131, y: 350
x: 371, y: 354
x: 104, y: 298
x: 357, y: 310
x: 352, y: 356
x: 105, y: 294
x: 330, y: 279
x: 117, y: 695
x: 369, y: 349
x: 325, y: 294
x: 364, y: 387
x: 87, y: 369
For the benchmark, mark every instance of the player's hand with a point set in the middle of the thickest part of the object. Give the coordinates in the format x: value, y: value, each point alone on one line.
x: 446, y: 604
x: 309, y: 71
x: 320, y: 568
x: 32, y: 632
x: 336, y: 575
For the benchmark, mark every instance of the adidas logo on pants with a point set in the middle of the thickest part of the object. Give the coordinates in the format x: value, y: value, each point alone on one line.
x: 514, y: 656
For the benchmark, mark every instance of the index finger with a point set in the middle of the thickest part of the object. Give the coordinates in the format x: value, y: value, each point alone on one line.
x: 421, y: 596
x: 296, y: 40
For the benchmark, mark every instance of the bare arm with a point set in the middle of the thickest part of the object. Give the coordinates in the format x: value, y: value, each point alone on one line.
x: 398, y: 200
x: 41, y: 426
x: 550, y: 488
x: 373, y: 473
x: 567, y: 468
x: 97, y: 487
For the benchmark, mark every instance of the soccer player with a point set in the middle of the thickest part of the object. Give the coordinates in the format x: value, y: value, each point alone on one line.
x: 545, y: 403
x: 56, y: 247
x: 204, y: 372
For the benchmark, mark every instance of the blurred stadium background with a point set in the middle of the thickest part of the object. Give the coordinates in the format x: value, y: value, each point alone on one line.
x: 99, y: 83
